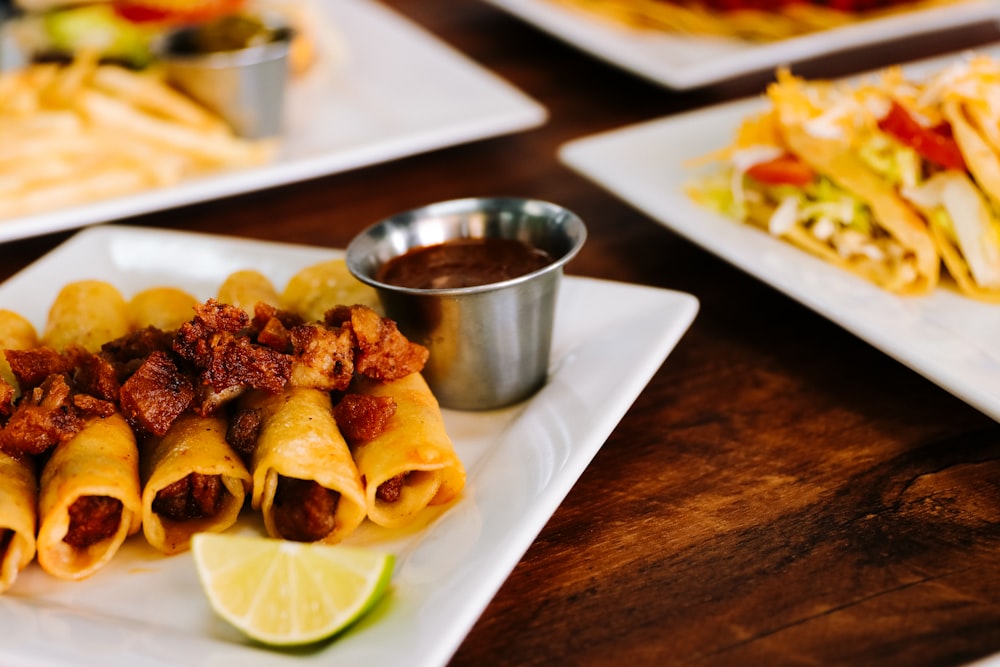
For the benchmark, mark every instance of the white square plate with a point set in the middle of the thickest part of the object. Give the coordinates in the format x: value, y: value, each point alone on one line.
x: 145, y: 609
x: 394, y: 90
x: 687, y: 61
x: 950, y: 339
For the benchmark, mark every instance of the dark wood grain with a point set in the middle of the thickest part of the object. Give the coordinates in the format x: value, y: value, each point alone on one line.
x: 780, y: 494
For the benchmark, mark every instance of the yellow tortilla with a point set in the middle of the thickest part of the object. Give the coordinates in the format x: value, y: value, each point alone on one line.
x: 18, y: 516
x: 414, y: 444
x: 299, y: 439
x: 919, y: 271
x: 18, y: 476
x: 194, y: 444
x: 101, y: 460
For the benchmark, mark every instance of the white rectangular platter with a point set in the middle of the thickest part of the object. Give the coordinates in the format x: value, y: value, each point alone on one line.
x: 145, y: 609
x: 948, y: 338
x: 688, y: 61
x: 385, y: 89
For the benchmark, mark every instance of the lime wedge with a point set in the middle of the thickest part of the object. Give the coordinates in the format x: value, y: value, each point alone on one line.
x: 285, y: 593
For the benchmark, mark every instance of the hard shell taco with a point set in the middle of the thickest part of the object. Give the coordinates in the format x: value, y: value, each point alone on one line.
x: 817, y: 170
x: 962, y: 205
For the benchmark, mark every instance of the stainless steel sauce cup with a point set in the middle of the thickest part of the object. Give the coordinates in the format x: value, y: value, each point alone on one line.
x: 245, y: 86
x: 489, y: 344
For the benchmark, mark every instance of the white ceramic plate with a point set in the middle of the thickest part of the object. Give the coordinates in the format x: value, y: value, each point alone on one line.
x: 948, y: 338
x: 387, y: 89
x: 146, y: 609
x: 687, y: 61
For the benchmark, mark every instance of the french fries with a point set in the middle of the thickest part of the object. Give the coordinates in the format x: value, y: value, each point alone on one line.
x: 78, y: 133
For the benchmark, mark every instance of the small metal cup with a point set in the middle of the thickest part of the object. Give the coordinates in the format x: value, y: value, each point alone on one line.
x: 489, y: 344
x: 246, y: 87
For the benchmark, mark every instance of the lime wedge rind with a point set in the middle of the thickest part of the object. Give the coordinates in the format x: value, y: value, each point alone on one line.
x: 292, y: 594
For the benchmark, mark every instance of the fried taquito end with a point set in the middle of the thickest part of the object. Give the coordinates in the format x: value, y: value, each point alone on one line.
x: 163, y: 307
x: 89, y: 499
x: 305, y: 482
x: 18, y: 475
x: 192, y: 481
x: 18, y: 516
x: 87, y: 313
x: 246, y: 288
x: 412, y: 463
x: 16, y: 333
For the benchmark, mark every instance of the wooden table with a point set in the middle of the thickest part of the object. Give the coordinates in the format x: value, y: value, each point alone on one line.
x: 780, y: 494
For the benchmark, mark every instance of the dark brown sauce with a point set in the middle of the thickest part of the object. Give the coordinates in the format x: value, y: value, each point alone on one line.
x: 463, y: 263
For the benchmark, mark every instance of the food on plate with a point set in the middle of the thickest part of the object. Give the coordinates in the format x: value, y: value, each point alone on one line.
x: 89, y: 498
x: 246, y: 288
x: 192, y: 482
x: 87, y: 313
x: 962, y: 204
x: 130, y: 32
x: 304, y: 482
x: 169, y: 429
x: 410, y: 462
x: 885, y: 177
x: 18, y: 474
x: 314, y: 290
x: 320, y: 589
x: 162, y: 307
x: 758, y: 20
x: 78, y: 133
x: 18, y: 516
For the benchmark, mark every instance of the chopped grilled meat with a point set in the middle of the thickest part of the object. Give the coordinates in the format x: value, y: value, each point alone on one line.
x: 195, y: 339
x: 196, y: 496
x: 242, y: 432
x: 127, y: 353
x: 93, y: 374
x: 383, y: 352
x: 155, y: 394
x: 92, y: 519
x: 362, y: 417
x: 304, y: 511
x: 31, y: 367
x: 216, y: 341
x: 91, y: 406
x: 43, y: 417
x: 273, y: 325
x: 391, y: 489
x: 323, y: 357
x: 7, y: 393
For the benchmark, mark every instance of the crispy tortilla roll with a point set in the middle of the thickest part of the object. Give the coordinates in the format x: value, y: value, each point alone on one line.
x: 412, y: 463
x: 18, y: 477
x: 319, y: 287
x: 87, y: 313
x: 16, y: 333
x: 304, y: 480
x: 192, y: 482
x: 18, y: 516
x: 246, y: 288
x: 89, y: 499
x: 165, y: 308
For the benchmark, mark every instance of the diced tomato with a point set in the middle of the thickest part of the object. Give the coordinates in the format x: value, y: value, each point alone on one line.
x: 783, y: 170
x: 174, y: 11
x: 933, y: 144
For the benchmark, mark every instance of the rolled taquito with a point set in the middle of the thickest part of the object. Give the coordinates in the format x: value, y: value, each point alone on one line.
x: 89, y: 499
x: 412, y: 463
x: 18, y: 476
x: 305, y: 482
x: 18, y: 516
x: 192, y: 481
